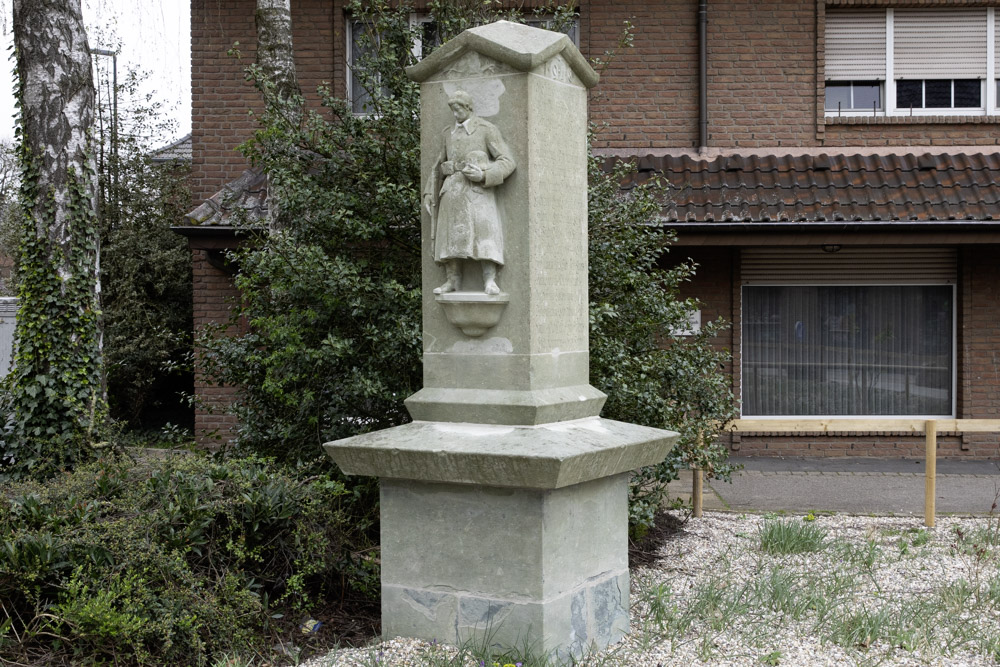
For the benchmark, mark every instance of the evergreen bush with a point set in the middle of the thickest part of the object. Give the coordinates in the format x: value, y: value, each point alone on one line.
x: 165, y: 562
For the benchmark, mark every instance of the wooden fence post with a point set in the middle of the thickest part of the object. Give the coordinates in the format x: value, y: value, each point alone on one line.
x: 696, y: 485
x: 930, y: 472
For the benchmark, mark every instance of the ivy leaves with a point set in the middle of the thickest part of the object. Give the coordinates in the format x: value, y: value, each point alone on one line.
x: 55, y: 390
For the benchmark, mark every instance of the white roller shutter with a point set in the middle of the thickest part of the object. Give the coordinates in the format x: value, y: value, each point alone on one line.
x: 849, y: 266
x: 939, y: 43
x: 996, y: 42
x: 855, y: 45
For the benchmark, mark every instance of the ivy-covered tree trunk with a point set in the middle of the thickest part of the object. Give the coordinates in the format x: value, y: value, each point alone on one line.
x: 56, y: 386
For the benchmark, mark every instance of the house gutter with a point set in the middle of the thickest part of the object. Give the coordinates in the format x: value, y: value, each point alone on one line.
x: 195, y: 231
x: 702, y: 76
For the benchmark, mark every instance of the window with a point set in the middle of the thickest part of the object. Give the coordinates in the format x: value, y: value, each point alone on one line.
x: 911, y: 61
x: 359, y: 82
x: 848, y: 350
x: 939, y: 94
x: 853, y: 96
x: 361, y: 46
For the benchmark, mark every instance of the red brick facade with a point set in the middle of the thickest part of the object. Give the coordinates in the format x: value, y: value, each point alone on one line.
x: 213, y: 296
x: 977, y: 374
x: 765, y: 92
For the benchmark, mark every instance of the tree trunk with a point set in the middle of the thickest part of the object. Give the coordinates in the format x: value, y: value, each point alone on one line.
x: 275, y: 53
x: 57, y: 387
x: 276, y: 60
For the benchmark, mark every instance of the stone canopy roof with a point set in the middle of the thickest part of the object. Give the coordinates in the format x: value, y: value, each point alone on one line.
x: 513, y: 44
x: 763, y: 189
x: 243, y: 200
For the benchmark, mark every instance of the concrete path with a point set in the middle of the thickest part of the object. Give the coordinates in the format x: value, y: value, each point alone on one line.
x: 852, y: 485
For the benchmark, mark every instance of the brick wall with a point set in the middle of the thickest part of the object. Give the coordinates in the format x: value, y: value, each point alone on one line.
x: 764, y: 80
x: 220, y: 97
x: 983, y: 131
x: 213, y: 296
x: 762, y: 73
x: 886, y: 445
x: 648, y: 95
x: 979, y: 346
x: 710, y: 285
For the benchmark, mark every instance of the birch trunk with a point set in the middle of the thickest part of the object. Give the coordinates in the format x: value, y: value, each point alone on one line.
x: 276, y: 60
x: 275, y: 51
x: 57, y: 106
x: 58, y: 381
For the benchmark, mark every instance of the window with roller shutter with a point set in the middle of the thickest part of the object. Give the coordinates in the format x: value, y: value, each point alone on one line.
x: 910, y: 61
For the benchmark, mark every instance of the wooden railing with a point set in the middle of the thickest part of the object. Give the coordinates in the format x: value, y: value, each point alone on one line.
x: 928, y: 427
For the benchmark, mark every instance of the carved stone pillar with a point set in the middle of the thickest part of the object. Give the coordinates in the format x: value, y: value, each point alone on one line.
x: 504, y: 504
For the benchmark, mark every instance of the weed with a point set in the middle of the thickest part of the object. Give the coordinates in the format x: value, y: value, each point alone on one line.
x: 791, y: 537
x: 956, y: 596
x: 991, y: 592
x: 718, y: 603
x: 989, y: 646
x: 782, y: 592
x: 861, y: 628
x: 773, y: 659
x: 920, y: 537
x: 864, y: 555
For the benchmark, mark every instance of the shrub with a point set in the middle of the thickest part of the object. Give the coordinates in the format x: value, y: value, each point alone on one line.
x: 332, y: 292
x: 653, y: 375
x: 166, y: 562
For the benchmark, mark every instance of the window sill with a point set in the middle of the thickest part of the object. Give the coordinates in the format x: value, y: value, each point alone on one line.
x: 910, y: 120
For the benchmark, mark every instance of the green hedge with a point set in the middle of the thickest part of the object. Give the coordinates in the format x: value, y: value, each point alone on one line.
x: 163, y: 562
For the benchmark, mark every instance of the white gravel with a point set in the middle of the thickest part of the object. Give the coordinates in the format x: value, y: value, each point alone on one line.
x: 884, y: 559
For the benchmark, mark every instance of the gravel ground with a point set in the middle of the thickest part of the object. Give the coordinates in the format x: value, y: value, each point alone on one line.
x: 716, y: 599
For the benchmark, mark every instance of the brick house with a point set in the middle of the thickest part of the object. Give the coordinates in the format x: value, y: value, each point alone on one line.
x: 834, y: 167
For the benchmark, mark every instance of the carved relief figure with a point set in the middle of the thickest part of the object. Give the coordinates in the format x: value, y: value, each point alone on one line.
x: 460, y: 196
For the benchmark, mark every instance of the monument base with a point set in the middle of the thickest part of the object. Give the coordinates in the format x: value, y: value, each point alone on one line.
x: 544, y: 573
x: 514, y: 537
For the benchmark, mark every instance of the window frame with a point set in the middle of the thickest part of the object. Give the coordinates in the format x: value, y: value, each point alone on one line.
x: 856, y: 110
x: 350, y: 22
x: 807, y: 283
x: 989, y: 92
x: 951, y: 109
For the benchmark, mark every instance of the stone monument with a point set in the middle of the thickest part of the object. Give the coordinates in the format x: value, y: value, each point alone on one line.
x: 504, y: 512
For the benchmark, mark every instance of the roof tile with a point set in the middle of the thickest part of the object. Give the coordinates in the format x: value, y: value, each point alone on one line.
x: 840, y: 187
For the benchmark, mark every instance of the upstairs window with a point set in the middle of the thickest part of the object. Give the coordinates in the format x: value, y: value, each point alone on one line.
x: 911, y: 61
x: 939, y: 94
x: 853, y: 96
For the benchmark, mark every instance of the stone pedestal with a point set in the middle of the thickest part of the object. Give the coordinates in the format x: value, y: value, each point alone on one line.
x: 539, y: 570
x: 513, y: 535
x: 504, y: 504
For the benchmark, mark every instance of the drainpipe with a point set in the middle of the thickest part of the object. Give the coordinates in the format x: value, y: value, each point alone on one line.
x: 702, y: 76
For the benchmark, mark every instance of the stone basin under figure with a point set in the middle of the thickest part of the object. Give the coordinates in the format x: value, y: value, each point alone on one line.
x: 473, y: 312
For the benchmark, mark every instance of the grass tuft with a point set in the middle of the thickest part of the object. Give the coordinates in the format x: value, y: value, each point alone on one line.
x: 791, y: 537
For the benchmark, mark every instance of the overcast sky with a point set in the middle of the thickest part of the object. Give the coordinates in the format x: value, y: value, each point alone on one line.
x: 154, y: 36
